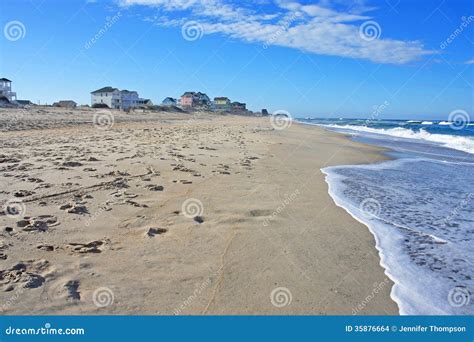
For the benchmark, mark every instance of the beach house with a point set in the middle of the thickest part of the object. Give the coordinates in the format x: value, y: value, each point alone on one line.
x: 145, y: 103
x: 238, y: 107
x: 129, y: 99
x: 6, y: 90
x: 107, y: 96
x: 117, y: 99
x: 203, y: 99
x: 169, y: 102
x: 188, y: 99
x: 222, y: 104
x: 195, y: 99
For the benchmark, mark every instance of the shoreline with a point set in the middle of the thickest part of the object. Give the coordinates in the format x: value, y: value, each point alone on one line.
x: 340, y: 202
x: 269, y: 230
x: 393, y: 214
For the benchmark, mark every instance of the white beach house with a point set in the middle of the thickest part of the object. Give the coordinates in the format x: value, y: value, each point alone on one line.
x: 116, y: 99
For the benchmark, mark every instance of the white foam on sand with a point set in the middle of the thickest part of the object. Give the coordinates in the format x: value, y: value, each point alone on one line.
x: 415, y: 291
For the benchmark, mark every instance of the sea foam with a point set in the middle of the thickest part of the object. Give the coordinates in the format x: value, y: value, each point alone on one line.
x: 422, y: 233
x: 461, y: 143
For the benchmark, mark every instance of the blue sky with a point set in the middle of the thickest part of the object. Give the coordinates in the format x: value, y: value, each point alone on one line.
x: 335, y: 58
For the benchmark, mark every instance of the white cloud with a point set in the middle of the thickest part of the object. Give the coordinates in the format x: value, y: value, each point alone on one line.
x: 314, y: 28
x: 167, y: 4
x: 470, y: 62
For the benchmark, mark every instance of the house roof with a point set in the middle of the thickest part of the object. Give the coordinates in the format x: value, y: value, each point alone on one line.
x: 67, y: 102
x: 5, y: 79
x: 189, y: 93
x: 221, y: 98
x: 169, y: 99
x: 203, y: 97
x: 104, y: 90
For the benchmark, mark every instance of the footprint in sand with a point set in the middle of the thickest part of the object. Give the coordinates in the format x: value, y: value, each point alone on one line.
x: 91, y: 247
x: 135, y: 204
x: 3, y: 247
x: 152, y: 187
x: 29, y: 274
x: 47, y: 248
x: 61, y: 290
x: 72, y: 287
x: 74, y: 208
x: 155, y: 231
x: 40, y: 223
x: 198, y: 219
x: 71, y: 164
x: 23, y: 193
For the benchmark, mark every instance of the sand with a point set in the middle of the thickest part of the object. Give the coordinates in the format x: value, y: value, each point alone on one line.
x: 166, y: 213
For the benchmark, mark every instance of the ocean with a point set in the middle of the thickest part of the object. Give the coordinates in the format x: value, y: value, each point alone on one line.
x: 419, y: 206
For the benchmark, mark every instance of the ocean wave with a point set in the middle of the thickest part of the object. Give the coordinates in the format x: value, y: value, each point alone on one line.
x: 427, y: 123
x: 403, y: 227
x: 465, y: 144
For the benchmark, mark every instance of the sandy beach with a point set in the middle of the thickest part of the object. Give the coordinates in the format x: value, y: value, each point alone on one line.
x: 172, y: 213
